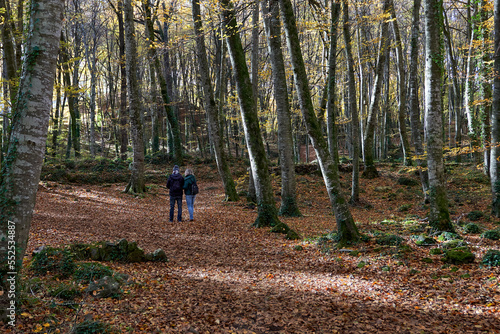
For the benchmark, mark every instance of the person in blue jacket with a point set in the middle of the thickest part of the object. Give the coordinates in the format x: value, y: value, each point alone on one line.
x: 175, y: 185
x: 189, y: 180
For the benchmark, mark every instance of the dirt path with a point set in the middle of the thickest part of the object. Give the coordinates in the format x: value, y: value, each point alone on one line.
x: 227, y: 277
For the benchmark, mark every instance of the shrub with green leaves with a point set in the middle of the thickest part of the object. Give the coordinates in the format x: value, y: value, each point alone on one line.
x: 65, y: 291
x: 91, y: 271
x: 472, y: 228
x: 53, y: 260
x: 491, y: 258
x: 475, y: 215
x: 456, y: 256
x: 491, y: 234
x: 389, y: 240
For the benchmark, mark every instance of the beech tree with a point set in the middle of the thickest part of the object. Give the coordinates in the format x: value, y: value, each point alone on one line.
x: 272, y: 24
x: 136, y: 183
x: 214, y: 127
x: 346, y: 229
x: 21, y: 172
x: 439, y: 216
x: 267, y: 212
x: 495, y: 118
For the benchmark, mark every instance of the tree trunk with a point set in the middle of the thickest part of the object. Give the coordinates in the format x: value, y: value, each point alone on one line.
x: 353, y: 110
x: 346, y: 229
x: 136, y: 183
x: 214, y: 128
x: 370, y: 170
x: 289, y: 205
x: 21, y: 173
x: 405, y: 145
x: 495, y: 119
x: 439, y: 216
x: 413, y: 103
x: 267, y: 213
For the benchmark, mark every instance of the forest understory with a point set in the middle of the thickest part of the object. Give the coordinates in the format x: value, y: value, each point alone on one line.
x: 224, y: 276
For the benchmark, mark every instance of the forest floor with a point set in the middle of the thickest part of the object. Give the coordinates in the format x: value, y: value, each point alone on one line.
x: 224, y: 276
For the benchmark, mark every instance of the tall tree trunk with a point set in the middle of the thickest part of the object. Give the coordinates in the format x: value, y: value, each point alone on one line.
x: 214, y: 128
x: 370, y: 170
x: 70, y: 89
x: 267, y: 213
x: 456, y: 91
x: 123, y: 83
x: 289, y: 205
x: 405, y: 144
x: 21, y: 173
x: 413, y: 103
x: 485, y: 87
x: 136, y: 183
x: 353, y: 110
x: 55, y: 118
x: 439, y: 216
x: 495, y: 118
x: 346, y: 229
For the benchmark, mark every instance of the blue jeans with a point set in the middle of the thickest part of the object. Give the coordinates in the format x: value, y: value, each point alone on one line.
x: 190, y: 205
x: 179, y: 208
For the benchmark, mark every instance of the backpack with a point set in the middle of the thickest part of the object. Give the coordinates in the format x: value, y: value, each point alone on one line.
x: 194, y: 189
x: 175, y: 186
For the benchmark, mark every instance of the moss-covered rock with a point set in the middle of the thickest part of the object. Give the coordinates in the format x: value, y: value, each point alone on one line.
x: 458, y: 256
x: 436, y: 251
x: 389, y: 240
x: 91, y: 271
x: 422, y: 240
x: 105, y: 287
x: 472, y: 228
x: 292, y: 235
x: 453, y: 244
x: 406, y: 181
x: 491, y: 258
x: 446, y: 236
x: 491, y: 234
x: 475, y: 215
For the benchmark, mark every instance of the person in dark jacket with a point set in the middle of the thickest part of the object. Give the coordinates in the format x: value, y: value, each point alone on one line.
x: 189, y: 180
x: 175, y: 184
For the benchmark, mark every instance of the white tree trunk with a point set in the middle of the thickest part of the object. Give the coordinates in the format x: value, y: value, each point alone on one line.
x: 21, y: 172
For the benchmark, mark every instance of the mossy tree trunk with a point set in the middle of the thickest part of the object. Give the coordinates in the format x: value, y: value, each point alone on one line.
x: 403, y: 134
x: 21, y: 172
x: 346, y: 229
x: 439, y: 216
x: 136, y: 184
x: 353, y: 109
x: 370, y: 170
x: 214, y: 124
x: 414, y: 103
x: 272, y: 24
x: 495, y: 119
x: 267, y: 213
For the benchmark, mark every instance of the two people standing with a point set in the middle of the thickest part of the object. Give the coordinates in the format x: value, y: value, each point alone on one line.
x: 176, y: 184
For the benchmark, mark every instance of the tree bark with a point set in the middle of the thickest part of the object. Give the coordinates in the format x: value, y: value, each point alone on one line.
x: 21, y: 172
x: 136, y: 183
x: 403, y: 134
x: 289, y: 205
x: 495, y: 119
x: 413, y: 103
x: 346, y: 229
x: 370, y: 170
x: 214, y: 128
x: 267, y: 213
x: 353, y: 109
x: 439, y: 216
